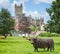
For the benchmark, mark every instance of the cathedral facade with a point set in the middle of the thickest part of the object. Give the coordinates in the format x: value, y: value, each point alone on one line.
x: 20, y: 18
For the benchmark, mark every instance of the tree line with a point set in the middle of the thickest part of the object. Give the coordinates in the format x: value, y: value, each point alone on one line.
x: 6, y: 22
x: 54, y: 13
x: 53, y: 25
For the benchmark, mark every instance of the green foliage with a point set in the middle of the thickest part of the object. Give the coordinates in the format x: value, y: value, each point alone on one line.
x: 34, y: 28
x: 54, y: 13
x: 19, y: 45
x: 48, y: 34
x: 44, y: 34
x: 6, y: 22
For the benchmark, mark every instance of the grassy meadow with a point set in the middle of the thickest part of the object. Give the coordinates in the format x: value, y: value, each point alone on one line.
x: 19, y: 45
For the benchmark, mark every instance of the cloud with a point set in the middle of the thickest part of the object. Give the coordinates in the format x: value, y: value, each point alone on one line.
x: 22, y: 1
x: 11, y: 5
x: 43, y: 1
x: 37, y: 15
x: 18, y: 2
x: 32, y: 13
x: 4, y: 3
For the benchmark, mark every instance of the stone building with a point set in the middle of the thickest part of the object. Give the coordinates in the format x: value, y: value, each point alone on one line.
x: 20, y: 18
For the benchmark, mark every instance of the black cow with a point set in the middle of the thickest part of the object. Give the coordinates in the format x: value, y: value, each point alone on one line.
x: 42, y: 43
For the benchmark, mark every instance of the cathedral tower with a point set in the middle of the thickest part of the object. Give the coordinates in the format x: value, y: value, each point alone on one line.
x: 18, y: 15
x: 18, y: 9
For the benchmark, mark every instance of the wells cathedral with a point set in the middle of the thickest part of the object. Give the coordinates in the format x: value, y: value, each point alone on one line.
x: 21, y: 18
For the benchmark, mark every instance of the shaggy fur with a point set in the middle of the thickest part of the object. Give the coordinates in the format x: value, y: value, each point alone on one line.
x: 42, y: 43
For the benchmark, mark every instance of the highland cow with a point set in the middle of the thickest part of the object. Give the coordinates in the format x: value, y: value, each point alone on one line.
x: 2, y: 37
x: 42, y: 43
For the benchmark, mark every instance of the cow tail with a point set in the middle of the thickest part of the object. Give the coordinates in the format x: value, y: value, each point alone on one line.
x: 53, y: 45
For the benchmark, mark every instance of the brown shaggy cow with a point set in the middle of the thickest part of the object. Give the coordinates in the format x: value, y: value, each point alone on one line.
x: 42, y: 43
x: 3, y: 37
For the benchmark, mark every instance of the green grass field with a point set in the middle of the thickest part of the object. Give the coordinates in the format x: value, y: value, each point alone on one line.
x: 19, y: 45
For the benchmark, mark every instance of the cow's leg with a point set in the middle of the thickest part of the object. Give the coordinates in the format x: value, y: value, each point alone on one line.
x: 48, y: 49
x: 53, y: 47
x: 44, y: 49
x: 36, y: 49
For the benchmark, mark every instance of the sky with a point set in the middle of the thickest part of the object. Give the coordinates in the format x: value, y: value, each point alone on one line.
x: 35, y: 8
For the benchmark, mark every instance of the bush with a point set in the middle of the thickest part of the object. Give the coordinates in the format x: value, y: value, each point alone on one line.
x: 47, y: 34
x: 55, y: 35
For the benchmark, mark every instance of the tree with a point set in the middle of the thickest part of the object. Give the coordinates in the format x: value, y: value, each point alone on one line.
x: 6, y: 22
x: 54, y: 13
x: 34, y: 28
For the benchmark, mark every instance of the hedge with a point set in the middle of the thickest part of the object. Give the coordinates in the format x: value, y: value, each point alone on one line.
x: 47, y: 34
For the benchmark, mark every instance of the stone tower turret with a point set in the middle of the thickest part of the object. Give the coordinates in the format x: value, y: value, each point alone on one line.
x: 18, y: 15
x: 18, y: 9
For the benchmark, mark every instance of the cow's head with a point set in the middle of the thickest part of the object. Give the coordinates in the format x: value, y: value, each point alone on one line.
x: 32, y: 40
